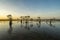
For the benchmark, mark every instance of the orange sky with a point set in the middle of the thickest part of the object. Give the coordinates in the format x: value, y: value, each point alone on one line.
x: 4, y: 17
x: 15, y: 17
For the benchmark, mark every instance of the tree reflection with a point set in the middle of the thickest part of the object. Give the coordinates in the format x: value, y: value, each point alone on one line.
x: 10, y: 30
x: 51, y: 20
x: 39, y: 25
x: 31, y: 25
x: 21, y: 25
x: 52, y: 25
x: 27, y: 26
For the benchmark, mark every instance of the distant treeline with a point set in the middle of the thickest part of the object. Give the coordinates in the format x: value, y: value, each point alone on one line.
x: 30, y: 19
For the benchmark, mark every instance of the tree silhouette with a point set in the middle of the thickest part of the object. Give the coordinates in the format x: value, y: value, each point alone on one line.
x: 27, y: 18
x: 21, y: 19
x: 10, y: 20
x: 9, y: 16
x: 31, y: 19
x: 39, y: 19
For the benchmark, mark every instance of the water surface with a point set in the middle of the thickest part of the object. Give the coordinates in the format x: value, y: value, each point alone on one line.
x: 29, y: 31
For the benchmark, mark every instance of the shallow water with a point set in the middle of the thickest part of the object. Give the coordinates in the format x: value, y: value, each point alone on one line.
x: 30, y: 31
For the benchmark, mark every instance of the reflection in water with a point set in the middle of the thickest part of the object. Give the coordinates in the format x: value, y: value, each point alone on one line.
x: 31, y: 25
x: 39, y: 25
x: 10, y: 30
x: 26, y: 22
x: 52, y: 25
x: 27, y: 26
x: 10, y: 25
x: 46, y: 22
x: 40, y: 21
x: 36, y: 23
x: 50, y: 21
x: 21, y: 21
x: 34, y: 32
x: 21, y: 25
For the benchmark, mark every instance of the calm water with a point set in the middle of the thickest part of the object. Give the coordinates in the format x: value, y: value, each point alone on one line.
x: 30, y: 31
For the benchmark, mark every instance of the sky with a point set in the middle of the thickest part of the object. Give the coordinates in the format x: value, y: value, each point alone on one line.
x: 42, y: 8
